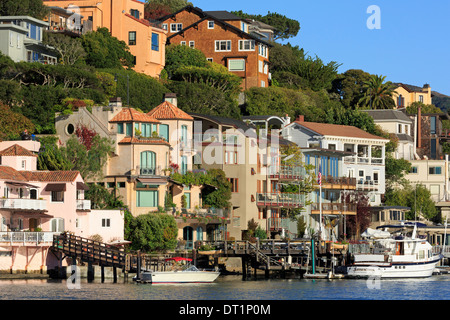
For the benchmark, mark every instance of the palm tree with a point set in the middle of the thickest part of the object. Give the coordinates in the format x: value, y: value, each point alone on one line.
x: 378, y: 94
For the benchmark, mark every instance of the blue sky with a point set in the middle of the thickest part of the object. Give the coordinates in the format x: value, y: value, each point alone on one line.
x: 412, y: 46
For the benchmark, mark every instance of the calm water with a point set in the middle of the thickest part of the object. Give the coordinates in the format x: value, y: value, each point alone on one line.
x: 232, y: 288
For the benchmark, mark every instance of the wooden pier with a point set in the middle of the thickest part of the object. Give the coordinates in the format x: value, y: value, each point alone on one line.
x: 266, y: 256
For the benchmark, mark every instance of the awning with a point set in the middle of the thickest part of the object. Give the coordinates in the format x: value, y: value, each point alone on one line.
x: 31, y: 214
x: 21, y: 184
x: 152, y: 181
x: 55, y: 187
x: 82, y: 186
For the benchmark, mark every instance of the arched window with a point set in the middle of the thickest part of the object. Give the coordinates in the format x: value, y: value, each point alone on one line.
x: 199, y: 234
x: 148, y: 163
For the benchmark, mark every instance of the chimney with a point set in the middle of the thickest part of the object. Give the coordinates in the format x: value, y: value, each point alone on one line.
x: 172, y: 98
x: 300, y: 118
x: 115, y: 102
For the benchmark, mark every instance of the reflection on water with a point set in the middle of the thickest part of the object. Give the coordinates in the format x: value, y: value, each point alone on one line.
x: 232, y: 287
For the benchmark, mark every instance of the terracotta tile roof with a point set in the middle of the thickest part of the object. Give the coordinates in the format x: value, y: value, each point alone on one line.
x: 17, y: 150
x: 51, y: 176
x: 129, y: 140
x: 132, y: 115
x: 167, y: 111
x: 327, y: 129
x: 8, y: 173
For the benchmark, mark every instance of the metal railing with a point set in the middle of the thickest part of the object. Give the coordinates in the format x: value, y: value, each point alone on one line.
x: 334, y: 207
x: 363, y: 160
x: 280, y: 199
x: 25, y: 237
x: 24, y: 204
x: 286, y: 172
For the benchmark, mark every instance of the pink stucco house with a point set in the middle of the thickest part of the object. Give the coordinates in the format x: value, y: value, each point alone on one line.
x: 34, y: 205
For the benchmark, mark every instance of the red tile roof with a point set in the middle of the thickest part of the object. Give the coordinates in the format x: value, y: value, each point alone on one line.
x: 17, y: 150
x: 132, y: 115
x: 8, y: 173
x: 328, y: 129
x: 167, y: 111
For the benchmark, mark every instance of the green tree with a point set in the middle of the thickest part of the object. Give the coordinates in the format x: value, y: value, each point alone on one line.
x: 396, y: 169
x: 33, y: 8
x: 413, y: 108
x: 70, y: 49
x: 350, y: 87
x: 50, y: 156
x: 12, y: 124
x: 90, y: 162
x: 153, y: 232
x: 285, y: 27
x: 155, y: 9
x: 106, y: 51
x: 178, y: 56
x: 378, y: 94
x: 101, y: 198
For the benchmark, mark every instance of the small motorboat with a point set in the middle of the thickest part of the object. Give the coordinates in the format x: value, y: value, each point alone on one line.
x: 190, y: 274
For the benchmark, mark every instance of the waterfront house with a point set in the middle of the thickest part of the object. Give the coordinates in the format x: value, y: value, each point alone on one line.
x: 401, y: 126
x: 225, y: 39
x: 36, y: 204
x: 125, y: 21
x: 408, y: 94
x: 367, y: 164
x: 21, y: 39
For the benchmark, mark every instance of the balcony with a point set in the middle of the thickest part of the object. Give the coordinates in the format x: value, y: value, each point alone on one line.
x: 83, y: 204
x: 367, y: 185
x: 277, y: 224
x: 338, y: 183
x: 280, y: 200
x: 24, y: 238
x: 23, y: 204
x: 364, y: 160
x: 334, y: 208
x: 287, y: 172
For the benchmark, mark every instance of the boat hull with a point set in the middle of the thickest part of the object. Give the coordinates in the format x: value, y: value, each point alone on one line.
x: 180, y: 277
x: 397, y: 270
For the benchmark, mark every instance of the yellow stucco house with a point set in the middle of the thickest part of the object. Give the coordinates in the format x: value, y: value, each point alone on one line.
x: 407, y: 94
x: 125, y: 21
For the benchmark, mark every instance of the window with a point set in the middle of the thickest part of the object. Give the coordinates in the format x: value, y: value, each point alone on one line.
x: 209, y: 59
x: 192, y: 44
x: 246, y: 45
x: 433, y: 125
x: 223, y: 45
x: 236, y: 65
x: 164, y: 131
x: 57, y: 225
x: 262, y: 50
x: 77, y: 223
x: 164, y: 26
x: 414, y: 170
x: 155, y: 42
x: 175, y: 27
x: 183, y: 43
x: 110, y: 184
x: 187, y: 196
x: 184, y: 164
x: 147, y: 198
x: 146, y: 129
x: 434, y: 170
x: 400, y: 101
x: 210, y: 24
x: 421, y: 98
x: 24, y: 164
x: 132, y: 38
x: 129, y: 127
x: 263, y: 84
x: 400, y: 128
x: 148, y: 163
x: 106, y: 223
x: 184, y: 135
x: 57, y: 196
x: 231, y: 157
x: 120, y: 128
x: 234, y: 184
x: 121, y: 184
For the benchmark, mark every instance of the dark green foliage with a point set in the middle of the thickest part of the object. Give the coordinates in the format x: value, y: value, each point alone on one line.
x: 106, y: 51
x: 33, y: 8
x: 101, y: 198
x: 153, y: 232
x: 50, y: 156
x: 12, y: 124
x: 178, y: 56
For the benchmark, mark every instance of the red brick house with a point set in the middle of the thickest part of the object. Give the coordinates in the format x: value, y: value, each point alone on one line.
x: 224, y: 39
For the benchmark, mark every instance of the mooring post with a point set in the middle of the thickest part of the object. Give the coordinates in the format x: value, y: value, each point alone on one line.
x: 102, y: 273
x: 313, y: 256
x: 138, y: 271
x: 114, y: 274
x: 90, y: 272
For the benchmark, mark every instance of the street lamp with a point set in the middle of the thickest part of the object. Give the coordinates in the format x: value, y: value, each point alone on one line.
x: 128, y: 86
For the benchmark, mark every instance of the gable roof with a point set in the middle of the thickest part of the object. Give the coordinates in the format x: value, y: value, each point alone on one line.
x: 132, y: 115
x: 388, y: 115
x: 167, y: 111
x: 327, y: 129
x: 9, y: 173
x: 223, y: 15
x: 409, y: 87
x: 17, y: 150
x: 205, y: 16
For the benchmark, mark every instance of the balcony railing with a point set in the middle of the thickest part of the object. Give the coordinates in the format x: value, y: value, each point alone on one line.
x: 25, y: 237
x: 152, y: 171
x: 280, y: 199
x: 342, y: 181
x: 327, y: 208
x: 83, y: 204
x: 276, y: 224
x: 23, y: 204
x: 287, y: 172
x: 367, y: 185
x: 363, y: 160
